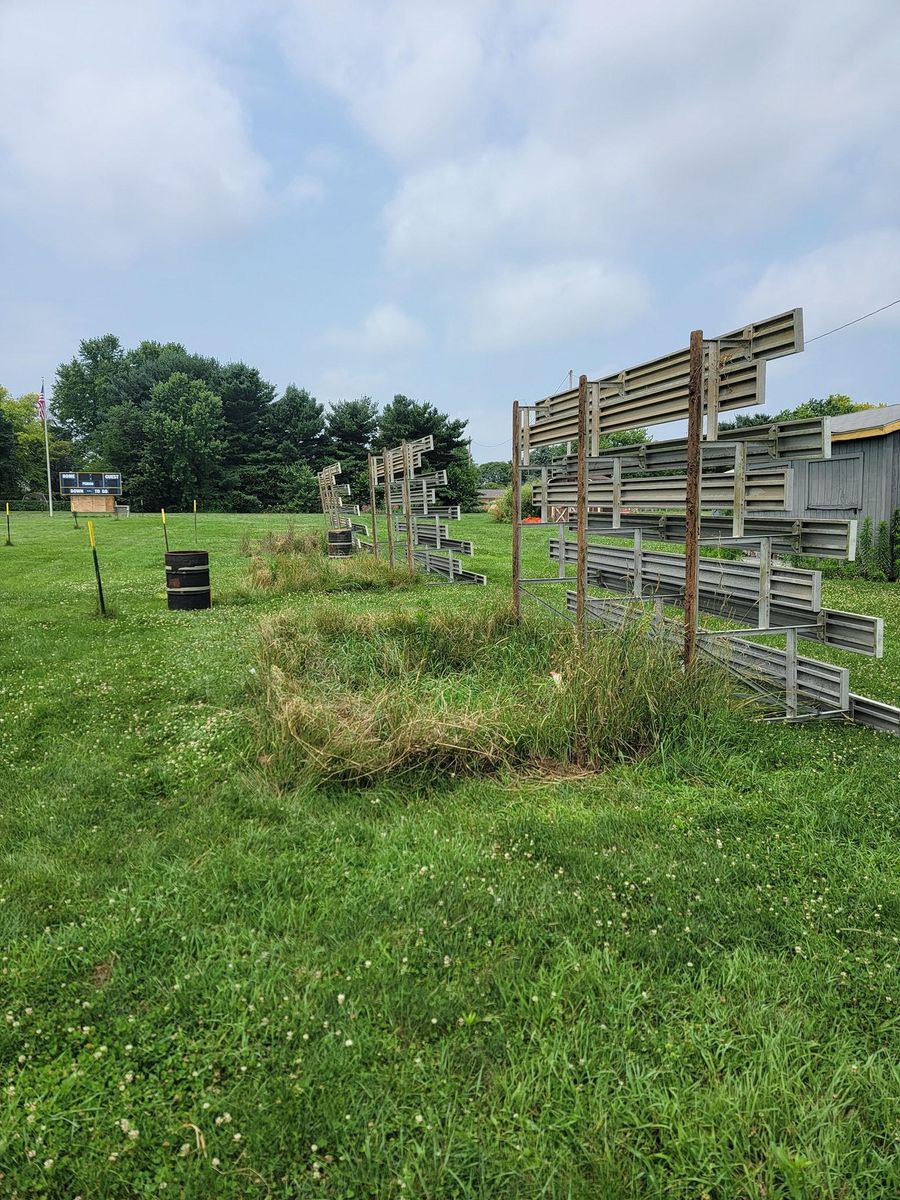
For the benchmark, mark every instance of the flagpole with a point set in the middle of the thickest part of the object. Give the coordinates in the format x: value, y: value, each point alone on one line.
x: 47, y: 451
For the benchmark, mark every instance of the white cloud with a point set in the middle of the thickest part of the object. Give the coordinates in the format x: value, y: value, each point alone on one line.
x: 833, y: 283
x: 384, y: 330
x: 409, y: 71
x: 553, y: 302
x: 304, y: 188
x: 337, y: 383
x: 576, y: 124
x: 117, y: 131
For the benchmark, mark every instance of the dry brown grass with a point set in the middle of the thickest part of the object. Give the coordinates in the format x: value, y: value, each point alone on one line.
x: 291, y: 562
x: 353, y: 699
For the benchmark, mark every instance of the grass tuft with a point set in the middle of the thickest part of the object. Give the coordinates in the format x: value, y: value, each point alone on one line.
x: 283, y: 541
x: 300, y: 566
x: 354, y: 699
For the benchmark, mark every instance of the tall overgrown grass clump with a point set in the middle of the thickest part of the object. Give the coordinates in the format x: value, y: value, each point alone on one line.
x: 283, y: 542
x: 293, y: 562
x: 354, y: 699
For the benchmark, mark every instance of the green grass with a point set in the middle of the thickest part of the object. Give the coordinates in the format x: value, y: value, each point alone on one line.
x: 675, y: 977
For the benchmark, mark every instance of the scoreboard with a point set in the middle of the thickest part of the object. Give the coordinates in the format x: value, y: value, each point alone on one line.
x: 90, y: 483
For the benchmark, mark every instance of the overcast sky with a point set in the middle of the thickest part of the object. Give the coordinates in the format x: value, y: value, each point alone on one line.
x: 458, y: 200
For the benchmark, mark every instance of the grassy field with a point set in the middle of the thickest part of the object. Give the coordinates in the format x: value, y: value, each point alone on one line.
x: 670, y: 978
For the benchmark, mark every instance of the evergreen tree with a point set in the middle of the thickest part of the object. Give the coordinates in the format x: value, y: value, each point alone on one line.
x: 301, y: 491
x: 248, y: 467
x: 350, y: 426
x: 9, y: 483
x: 406, y: 420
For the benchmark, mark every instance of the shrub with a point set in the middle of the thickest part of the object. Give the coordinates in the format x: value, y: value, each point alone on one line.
x: 501, y: 509
x: 884, y: 556
x: 866, y: 550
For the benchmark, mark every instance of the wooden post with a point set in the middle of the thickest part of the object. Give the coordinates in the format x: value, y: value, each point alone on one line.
x: 387, y: 506
x: 8, y: 534
x: 638, y: 581
x: 372, y: 507
x: 712, y: 392
x: 516, y: 511
x: 407, y: 506
x: 595, y: 421
x: 165, y: 531
x: 545, y: 507
x: 581, y: 568
x: 790, y: 667
x: 740, y: 489
x: 195, y: 522
x: 692, y: 500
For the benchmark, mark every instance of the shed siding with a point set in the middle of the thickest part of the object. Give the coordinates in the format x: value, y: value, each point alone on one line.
x: 861, y: 479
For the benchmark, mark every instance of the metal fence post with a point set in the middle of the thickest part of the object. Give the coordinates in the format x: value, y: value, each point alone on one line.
x: 388, y: 507
x: 765, y: 583
x: 372, y: 507
x: 516, y: 511
x: 692, y: 499
x: 581, y: 571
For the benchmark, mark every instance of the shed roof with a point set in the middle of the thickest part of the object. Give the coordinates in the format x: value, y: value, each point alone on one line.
x: 871, y: 422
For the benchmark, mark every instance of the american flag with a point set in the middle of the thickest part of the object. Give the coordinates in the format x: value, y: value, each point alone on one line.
x: 41, y: 406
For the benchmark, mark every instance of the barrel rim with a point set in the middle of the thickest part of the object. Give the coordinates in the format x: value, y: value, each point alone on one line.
x: 172, y: 556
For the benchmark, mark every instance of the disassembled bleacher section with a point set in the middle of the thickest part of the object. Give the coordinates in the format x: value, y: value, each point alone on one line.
x: 416, y: 523
x: 344, y: 534
x: 716, y: 488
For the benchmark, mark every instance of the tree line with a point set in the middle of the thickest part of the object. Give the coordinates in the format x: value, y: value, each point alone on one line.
x: 181, y: 426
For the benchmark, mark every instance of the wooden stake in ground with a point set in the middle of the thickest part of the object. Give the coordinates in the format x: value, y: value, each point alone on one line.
x: 8, y: 535
x: 90, y: 528
x: 692, y: 499
x: 195, y: 522
x: 165, y: 531
x: 516, y: 511
x: 582, y: 501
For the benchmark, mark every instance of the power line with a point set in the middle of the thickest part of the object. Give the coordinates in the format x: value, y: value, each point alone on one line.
x: 855, y: 321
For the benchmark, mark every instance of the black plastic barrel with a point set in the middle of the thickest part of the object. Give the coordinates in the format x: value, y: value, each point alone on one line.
x: 187, y: 579
x: 340, y: 543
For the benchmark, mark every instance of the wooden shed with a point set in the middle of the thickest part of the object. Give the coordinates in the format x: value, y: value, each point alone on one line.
x: 93, y: 504
x: 862, y: 477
